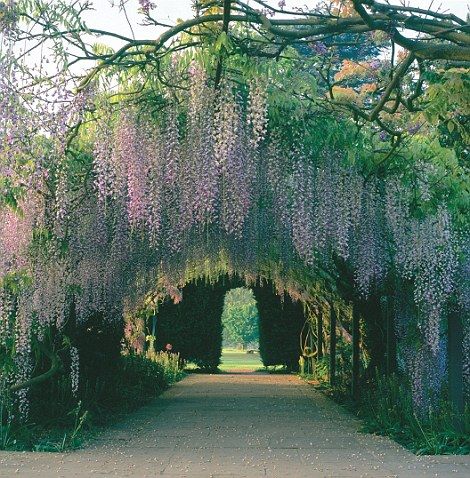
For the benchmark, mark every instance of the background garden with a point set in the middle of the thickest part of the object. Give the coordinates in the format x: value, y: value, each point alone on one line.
x: 317, y: 157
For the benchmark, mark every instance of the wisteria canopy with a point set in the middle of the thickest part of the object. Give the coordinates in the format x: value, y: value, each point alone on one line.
x: 321, y: 150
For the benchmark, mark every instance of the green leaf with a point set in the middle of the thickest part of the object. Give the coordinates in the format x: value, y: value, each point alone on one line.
x: 222, y: 42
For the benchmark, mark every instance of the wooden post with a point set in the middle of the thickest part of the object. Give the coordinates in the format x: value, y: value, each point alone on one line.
x: 332, y: 345
x: 455, y: 356
x: 154, y: 324
x: 355, y: 352
x: 319, y: 334
x: 391, y: 358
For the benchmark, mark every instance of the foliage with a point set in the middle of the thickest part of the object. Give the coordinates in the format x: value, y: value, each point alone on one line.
x: 331, y: 31
x: 150, y: 210
x: 112, y: 195
x: 193, y: 327
x: 240, y: 317
x: 319, y: 369
x: 127, y: 383
x: 280, y: 324
x: 170, y: 362
x: 448, y: 98
x: 387, y: 409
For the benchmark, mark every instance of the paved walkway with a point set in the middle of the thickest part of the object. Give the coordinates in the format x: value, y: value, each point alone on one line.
x: 238, y: 425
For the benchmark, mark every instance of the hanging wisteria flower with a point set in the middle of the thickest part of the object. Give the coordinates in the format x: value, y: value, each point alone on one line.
x: 208, y: 180
x: 257, y: 112
x: 146, y: 6
x: 319, y: 48
x: 201, y: 171
x: 74, y: 369
x: 8, y: 16
x: 384, y: 136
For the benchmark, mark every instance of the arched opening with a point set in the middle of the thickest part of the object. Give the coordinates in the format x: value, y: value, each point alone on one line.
x: 240, y: 320
x: 194, y: 325
x: 295, y: 327
x: 223, y: 157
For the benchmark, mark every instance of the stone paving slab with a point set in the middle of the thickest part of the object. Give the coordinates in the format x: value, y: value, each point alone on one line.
x: 237, y: 425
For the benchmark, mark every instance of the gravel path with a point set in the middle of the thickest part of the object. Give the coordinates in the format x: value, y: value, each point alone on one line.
x: 236, y: 425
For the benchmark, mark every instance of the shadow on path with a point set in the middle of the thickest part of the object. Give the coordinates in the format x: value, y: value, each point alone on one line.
x: 243, y: 424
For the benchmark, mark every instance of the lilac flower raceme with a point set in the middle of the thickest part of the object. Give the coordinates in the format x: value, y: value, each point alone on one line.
x: 208, y: 180
x: 319, y: 48
x: 146, y: 6
x: 74, y: 369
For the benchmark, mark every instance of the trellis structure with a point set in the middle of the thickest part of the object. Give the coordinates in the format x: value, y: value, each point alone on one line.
x: 130, y: 204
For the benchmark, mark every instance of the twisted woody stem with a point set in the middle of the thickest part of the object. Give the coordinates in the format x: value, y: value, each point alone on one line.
x: 225, y: 23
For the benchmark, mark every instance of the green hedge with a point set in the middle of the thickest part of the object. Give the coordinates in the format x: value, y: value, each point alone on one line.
x: 194, y: 326
x: 280, y: 325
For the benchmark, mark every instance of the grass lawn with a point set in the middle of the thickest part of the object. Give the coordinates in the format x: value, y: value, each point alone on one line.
x: 239, y: 360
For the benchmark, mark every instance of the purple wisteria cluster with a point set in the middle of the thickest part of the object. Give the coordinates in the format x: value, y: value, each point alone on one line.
x: 319, y: 48
x: 146, y: 6
x: 203, y: 178
x: 74, y: 369
x: 8, y: 17
x: 210, y: 181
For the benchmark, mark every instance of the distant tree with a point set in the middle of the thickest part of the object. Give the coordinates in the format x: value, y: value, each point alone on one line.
x: 240, y: 317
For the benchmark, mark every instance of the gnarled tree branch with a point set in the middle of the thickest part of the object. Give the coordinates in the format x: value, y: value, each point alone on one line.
x: 56, y: 365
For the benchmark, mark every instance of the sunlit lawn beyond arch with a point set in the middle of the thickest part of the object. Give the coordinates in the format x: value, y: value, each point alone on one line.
x: 233, y: 360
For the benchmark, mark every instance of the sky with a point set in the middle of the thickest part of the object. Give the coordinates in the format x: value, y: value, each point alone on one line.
x: 108, y: 17
x: 169, y: 11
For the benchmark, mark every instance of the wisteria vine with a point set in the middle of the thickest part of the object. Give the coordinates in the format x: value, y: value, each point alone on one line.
x: 207, y: 176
